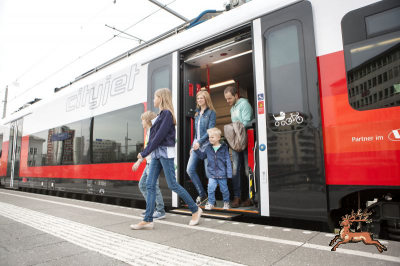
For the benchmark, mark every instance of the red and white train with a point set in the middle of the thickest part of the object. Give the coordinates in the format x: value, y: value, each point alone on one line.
x: 322, y: 77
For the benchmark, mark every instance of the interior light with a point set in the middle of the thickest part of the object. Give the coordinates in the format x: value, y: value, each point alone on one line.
x: 233, y: 56
x: 216, y: 85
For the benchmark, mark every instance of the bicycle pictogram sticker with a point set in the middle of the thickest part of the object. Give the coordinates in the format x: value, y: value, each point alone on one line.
x: 281, y: 120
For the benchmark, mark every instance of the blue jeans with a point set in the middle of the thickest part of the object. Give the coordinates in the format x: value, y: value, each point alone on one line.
x: 212, y: 186
x: 168, y: 166
x: 191, y: 170
x: 237, y: 158
x: 143, y: 189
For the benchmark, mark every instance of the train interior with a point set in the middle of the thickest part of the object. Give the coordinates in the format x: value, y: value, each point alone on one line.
x: 225, y: 62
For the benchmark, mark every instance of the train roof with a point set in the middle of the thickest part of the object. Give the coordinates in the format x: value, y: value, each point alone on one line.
x: 178, y: 38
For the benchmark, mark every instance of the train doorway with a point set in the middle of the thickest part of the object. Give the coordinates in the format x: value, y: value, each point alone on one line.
x: 14, y: 154
x: 213, y: 66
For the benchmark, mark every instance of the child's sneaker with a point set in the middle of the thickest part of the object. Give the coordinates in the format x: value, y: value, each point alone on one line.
x: 200, y: 200
x: 158, y: 215
x: 209, y: 206
x: 226, y: 206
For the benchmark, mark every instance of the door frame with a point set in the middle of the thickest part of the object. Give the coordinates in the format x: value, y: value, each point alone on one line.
x: 260, y: 114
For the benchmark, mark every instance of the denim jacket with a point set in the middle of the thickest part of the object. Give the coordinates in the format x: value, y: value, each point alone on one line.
x: 207, y: 121
x: 219, y: 163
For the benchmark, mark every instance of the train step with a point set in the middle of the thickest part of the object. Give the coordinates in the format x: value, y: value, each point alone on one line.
x: 210, y: 214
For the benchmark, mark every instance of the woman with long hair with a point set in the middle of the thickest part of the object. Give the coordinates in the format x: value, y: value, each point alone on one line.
x: 161, y: 146
x: 205, y: 118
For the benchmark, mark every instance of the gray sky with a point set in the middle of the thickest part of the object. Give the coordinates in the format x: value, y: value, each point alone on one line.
x: 44, y: 44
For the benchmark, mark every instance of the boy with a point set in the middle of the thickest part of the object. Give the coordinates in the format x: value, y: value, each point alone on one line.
x: 219, y: 167
x: 147, y: 119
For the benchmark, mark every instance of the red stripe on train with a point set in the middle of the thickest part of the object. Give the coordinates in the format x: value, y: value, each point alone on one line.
x: 111, y: 171
x: 377, y: 168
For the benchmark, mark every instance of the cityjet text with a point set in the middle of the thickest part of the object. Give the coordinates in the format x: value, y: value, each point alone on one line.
x: 97, y: 95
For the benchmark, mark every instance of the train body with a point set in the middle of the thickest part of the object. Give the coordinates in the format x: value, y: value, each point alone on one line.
x: 323, y: 80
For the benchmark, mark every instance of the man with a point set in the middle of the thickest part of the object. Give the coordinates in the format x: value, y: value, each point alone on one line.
x: 242, y: 112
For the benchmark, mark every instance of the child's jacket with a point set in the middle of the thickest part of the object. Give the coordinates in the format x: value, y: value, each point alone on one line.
x: 218, y: 163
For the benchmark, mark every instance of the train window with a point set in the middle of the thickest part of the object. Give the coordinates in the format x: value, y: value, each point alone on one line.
x: 383, y: 21
x: 286, y: 70
x: 63, y: 145
x: 38, y: 141
x: 159, y: 76
x: 118, y: 136
x: 371, y: 38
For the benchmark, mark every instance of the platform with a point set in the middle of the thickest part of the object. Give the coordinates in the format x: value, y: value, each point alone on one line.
x: 46, y: 230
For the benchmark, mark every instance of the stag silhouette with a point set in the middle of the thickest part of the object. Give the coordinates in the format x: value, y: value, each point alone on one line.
x: 348, y: 236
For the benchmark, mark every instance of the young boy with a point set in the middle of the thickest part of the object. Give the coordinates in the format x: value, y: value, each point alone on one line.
x: 219, y: 167
x: 147, y: 119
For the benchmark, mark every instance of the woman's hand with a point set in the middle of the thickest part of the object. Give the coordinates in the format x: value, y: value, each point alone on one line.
x: 139, y: 156
x: 196, y: 146
x: 135, y: 166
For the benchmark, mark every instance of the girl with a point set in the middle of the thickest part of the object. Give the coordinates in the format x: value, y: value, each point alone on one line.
x: 147, y: 118
x: 204, y: 119
x: 162, y: 148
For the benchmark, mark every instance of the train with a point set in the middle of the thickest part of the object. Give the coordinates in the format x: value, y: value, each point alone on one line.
x: 322, y: 78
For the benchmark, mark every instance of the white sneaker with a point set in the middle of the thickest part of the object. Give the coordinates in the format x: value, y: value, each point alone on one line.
x: 226, y: 206
x: 158, y: 215
x: 200, y: 200
x: 209, y: 206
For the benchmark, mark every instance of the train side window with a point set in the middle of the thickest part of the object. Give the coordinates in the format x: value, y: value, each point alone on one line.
x: 159, y: 76
x: 63, y: 145
x: 371, y: 39
x: 118, y: 136
x: 286, y: 71
x: 38, y: 141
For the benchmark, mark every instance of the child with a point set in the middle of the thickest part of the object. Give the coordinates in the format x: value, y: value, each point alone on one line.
x: 219, y: 167
x: 147, y: 118
x: 161, y: 146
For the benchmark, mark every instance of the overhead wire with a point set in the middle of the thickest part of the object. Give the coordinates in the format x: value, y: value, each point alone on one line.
x: 89, y: 52
x: 80, y: 28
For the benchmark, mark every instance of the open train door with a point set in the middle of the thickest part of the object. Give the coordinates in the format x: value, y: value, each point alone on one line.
x: 14, y: 154
x: 290, y: 155
x: 191, y: 85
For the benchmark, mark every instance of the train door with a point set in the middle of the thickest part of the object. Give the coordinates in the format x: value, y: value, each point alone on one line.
x: 212, y: 66
x: 14, y: 154
x: 163, y: 72
x: 191, y: 84
x: 289, y: 138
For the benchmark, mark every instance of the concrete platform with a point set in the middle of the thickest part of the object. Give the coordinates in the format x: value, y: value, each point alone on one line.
x: 46, y: 230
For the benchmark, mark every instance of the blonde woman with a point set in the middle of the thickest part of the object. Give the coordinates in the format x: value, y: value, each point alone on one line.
x: 204, y: 119
x: 161, y: 146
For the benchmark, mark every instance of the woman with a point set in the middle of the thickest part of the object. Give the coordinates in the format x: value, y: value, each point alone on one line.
x: 161, y: 146
x: 204, y: 119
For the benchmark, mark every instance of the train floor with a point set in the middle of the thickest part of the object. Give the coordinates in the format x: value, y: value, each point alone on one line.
x: 39, y: 229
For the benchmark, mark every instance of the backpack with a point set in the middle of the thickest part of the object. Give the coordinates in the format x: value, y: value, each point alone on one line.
x: 235, y: 134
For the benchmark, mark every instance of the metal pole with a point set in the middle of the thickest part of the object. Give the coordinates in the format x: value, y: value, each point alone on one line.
x: 169, y: 10
x: 137, y: 39
x: 5, y: 103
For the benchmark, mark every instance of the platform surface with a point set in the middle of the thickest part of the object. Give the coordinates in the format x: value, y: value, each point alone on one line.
x: 46, y: 230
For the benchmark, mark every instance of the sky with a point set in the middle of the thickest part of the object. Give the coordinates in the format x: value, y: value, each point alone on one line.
x: 45, y: 44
